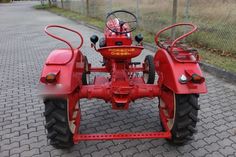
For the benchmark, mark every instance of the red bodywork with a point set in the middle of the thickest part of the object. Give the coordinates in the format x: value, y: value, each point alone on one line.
x: 122, y: 86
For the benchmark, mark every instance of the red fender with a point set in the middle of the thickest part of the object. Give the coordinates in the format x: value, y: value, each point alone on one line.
x: 68, y: 76
x: 170, y: 71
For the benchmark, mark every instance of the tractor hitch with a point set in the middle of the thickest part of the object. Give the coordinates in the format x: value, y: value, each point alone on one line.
x: 121, y: 136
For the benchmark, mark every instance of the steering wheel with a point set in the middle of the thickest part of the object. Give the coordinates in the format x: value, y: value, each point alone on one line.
x: 126, y: 20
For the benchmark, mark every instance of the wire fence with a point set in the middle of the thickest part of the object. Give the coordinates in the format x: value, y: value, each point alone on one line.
x: 216, y: 19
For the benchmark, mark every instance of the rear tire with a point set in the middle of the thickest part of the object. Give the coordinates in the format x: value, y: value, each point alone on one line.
x: 57, y: 124
x: 185, y: 118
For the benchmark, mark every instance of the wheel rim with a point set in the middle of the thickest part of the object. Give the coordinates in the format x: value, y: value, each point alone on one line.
x: 87, y: 78
x: 71, y: 123
x: 164, y: 108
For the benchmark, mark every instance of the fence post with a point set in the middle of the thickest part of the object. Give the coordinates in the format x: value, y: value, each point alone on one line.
x: 186, y: 14
x: 137, y: 8
x: 186, y: 10
x: 62, y: 4
x: 49, y: 3
x: 174, y: 17
x: 110, y: 6
x: 87, y: 7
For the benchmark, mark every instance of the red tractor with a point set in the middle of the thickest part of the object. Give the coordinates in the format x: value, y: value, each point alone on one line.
x: 65, y: 77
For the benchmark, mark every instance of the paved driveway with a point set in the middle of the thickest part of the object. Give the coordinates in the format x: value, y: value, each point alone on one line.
x: 23, y: 49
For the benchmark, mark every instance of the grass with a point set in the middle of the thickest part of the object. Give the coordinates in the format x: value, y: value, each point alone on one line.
x: 224, y: 62
x: 5, y: 1
x: 43, y: 6
x: 216, y: 20
x: 73, y: 15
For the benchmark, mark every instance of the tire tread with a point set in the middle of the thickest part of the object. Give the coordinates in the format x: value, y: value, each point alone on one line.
x: 57, y: 124
x: 185, y: 119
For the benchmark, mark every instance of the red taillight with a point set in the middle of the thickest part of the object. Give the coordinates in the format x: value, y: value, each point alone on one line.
x: 197, y: 78
x: 51, y: 78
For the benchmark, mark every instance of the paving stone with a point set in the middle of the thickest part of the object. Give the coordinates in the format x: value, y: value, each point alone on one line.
x: 186, y: 155
x: 215, y: 154
x: 11, y: 135
x: 44, y: 154
x: 185, y: 149
x: 117, y: 154
x: 88, y: 150
x: 143, y: 154
x: 30, y: 153
x: 104, y: 145
x: 132, y: 143
x: 5, y: 131
x: 87, y: 155
x: 38, y: 144
x: 220, y: 128
x: 199, y: 152
x: 209, y: 132
x: 116, y: 148
x: 144, y: 146
x: 4, y: 142
x: 22, y: 131
x: 223, y: 135
x: 227, y: 151
x: 56, y: 152
x: 198, y: 144
x: 199, y: 135
x: 212, y: 147
x: 11, y: 146
x: 207, y: 125
x: 15, y: 155
x: 28, y: 141
x: 211, y: 139
x: 100, y: 153
x: 158, y: 142
x: 225, y: 142
x: 19, y: 138
x: 18, y: 150
x: 208, y: 119
x: 71, y: 154
x: 5, y: 153
x: 171, y: 154
x: 129, y: 152
x: 157, y: 150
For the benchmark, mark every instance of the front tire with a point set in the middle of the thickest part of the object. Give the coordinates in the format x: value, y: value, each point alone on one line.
x: 86, y: 73
x: 57, y: 124
x: 182, y: 123
x: 149, y: 70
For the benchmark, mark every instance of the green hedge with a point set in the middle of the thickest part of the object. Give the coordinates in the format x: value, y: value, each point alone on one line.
x: 5, y: 1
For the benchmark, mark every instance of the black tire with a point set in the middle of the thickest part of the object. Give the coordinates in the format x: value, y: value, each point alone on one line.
x: 84, y: 79
x: 57, y: 124
x: 85, y: 75
x: 185, y: 120
x: 149, y: 74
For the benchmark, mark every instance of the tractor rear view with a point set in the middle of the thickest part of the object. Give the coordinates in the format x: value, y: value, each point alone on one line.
x: 66, y: 80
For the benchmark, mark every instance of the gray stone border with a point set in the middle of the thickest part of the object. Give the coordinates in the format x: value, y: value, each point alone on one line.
x: 220, y: 73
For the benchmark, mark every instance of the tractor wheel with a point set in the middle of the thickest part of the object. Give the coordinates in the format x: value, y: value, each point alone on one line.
x: 85, y: 75
x: 149, y: 70
x: 60, y: 129
x: 182, y: 119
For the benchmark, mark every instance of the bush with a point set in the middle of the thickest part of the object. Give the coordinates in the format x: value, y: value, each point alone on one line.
x: 5, y: 1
